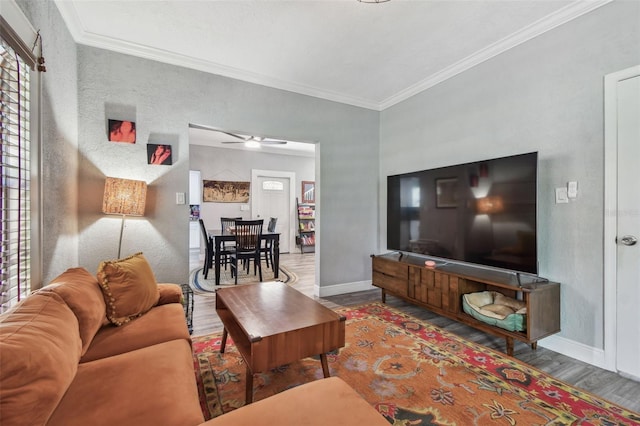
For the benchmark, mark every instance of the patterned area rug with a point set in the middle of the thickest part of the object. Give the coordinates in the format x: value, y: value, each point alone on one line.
x: 413, y: 373
x: 201, y: 285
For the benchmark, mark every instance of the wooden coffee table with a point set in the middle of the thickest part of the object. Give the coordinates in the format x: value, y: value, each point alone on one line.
x: 272, y: 324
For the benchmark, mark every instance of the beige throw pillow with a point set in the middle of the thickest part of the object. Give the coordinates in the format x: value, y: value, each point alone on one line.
x: 129, y: 288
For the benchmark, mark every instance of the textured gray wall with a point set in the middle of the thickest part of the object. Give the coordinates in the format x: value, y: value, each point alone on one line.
x: 163, y: 99
x: 60, y: 139
x: 547, y: 96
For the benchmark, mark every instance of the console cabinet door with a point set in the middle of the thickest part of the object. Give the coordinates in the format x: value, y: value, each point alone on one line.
x: 391, y: 276
x: 433, y: 281
x: 435, y: 289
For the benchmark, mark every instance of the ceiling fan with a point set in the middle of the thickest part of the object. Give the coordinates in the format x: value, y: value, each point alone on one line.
x: 248, y: 140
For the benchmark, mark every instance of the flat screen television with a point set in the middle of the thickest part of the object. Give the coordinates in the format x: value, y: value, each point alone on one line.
x: 482, y: 213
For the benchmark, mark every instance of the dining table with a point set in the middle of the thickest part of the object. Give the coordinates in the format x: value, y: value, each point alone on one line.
x: 219, y: 236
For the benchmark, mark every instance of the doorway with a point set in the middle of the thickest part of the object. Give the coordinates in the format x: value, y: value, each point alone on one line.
x: 622, y: 222
x: 215, y: 153
x: 273, y: 196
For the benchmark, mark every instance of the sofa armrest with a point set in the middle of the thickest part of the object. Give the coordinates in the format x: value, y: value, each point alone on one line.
x: 169, y: 293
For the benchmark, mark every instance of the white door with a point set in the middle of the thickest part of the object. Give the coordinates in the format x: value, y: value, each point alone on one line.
x: 628, y: 227
x: 271, y: 197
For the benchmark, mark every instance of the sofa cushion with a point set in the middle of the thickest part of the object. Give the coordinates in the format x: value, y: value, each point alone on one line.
x: 160, y: 324
x: 40, y: 347
x: 151, y: 386
x: 323, y: 402
x: 81, y: 292
x: 169, y: 293
x: 129, y: 288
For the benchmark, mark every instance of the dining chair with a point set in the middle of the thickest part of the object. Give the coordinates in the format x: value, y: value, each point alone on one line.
x: 227, y: 224
x: 208, y: 251
x: 247, y: 246
x: 267, y: 246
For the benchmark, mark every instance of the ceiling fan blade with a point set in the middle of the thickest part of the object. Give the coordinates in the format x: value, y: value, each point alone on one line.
x: 242, y: 138
x: 212, y: 129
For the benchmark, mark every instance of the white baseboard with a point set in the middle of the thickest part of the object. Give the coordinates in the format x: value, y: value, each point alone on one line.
x: 334, y: 290
x: 575, y: 350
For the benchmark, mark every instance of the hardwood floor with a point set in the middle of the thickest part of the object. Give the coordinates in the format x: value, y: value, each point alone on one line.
x: 605, y: 384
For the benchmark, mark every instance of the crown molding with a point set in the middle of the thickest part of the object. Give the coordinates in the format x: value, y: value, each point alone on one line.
x: 549, y: 22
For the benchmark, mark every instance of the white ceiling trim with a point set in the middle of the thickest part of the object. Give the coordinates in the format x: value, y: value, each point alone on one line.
x: 549, y: 22
x: 562, y: 16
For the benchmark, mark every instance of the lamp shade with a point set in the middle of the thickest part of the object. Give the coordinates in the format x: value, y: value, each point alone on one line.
x: 124, y: 196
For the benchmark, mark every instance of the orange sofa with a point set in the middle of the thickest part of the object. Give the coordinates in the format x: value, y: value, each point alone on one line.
x: 62, y: 362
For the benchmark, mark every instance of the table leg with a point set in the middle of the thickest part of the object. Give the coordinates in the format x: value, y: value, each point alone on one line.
x: 325, y: 365
x: 276, y: 257
x: 223, y: 344
x: 216, y: 263
x: 249, y: 390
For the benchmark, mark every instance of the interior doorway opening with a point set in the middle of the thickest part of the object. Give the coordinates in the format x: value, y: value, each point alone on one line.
x: 222, y: 155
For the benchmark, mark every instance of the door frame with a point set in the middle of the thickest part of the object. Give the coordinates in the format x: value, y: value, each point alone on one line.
x: 610, y: 207
x: 256, y: 173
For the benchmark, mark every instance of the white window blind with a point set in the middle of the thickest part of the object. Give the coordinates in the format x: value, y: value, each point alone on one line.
x: 15, y: 166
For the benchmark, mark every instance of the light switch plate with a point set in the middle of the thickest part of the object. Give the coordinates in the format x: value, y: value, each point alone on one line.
x: 180, y: 198
x: 572, y: 189
x: 561, y: 195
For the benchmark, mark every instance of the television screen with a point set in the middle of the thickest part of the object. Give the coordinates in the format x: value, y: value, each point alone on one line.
x: 482, y: 212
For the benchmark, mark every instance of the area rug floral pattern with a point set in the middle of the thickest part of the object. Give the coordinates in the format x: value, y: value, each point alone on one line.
x: 413, y: 373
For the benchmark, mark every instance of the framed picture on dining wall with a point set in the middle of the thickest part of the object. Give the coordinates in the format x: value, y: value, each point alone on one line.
x: 220, y: 191
x: 308, y: 192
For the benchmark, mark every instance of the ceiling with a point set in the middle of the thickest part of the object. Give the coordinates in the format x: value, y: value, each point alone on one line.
x: 367, y: 55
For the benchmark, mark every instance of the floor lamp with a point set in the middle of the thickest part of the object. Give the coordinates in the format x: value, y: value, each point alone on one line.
x: 125, y: 197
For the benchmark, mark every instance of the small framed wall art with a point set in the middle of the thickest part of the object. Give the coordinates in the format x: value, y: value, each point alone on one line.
x: 159, y: 155
x: 122, y: 131
x: 308, y: 192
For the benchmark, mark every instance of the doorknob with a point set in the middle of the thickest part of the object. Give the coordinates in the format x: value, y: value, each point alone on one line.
x: 628, y: 240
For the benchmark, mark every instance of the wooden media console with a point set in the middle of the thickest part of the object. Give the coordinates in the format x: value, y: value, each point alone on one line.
x: 440, y: 290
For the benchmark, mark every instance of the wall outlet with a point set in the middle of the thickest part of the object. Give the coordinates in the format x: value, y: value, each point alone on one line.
x: 244, y: 207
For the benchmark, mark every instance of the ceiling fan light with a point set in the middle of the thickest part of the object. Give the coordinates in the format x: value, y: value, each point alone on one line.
x: 252, y: 144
